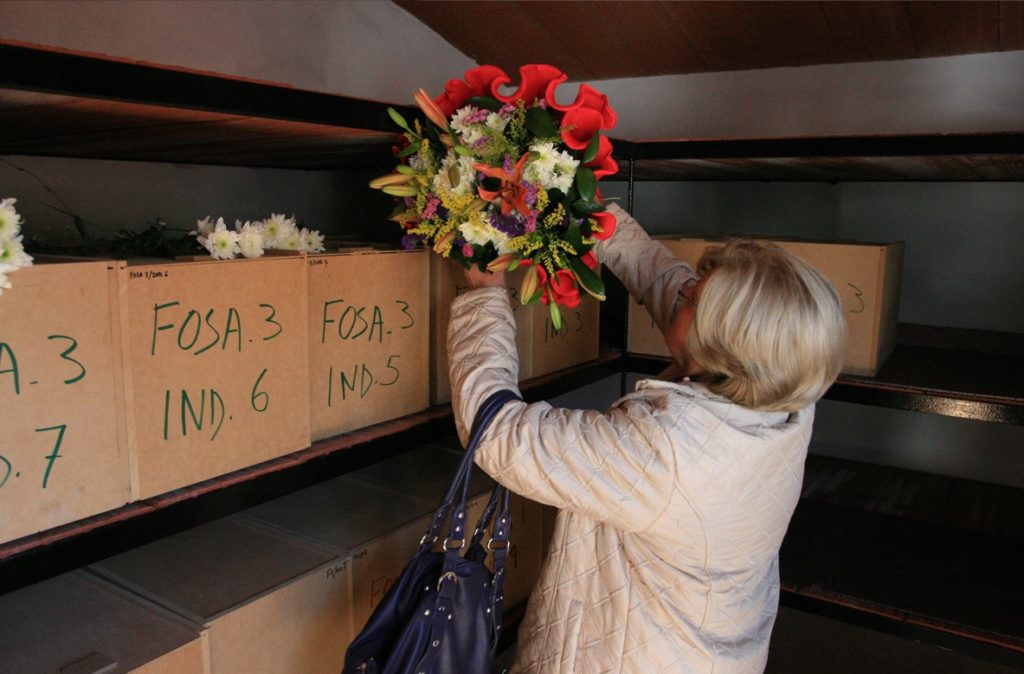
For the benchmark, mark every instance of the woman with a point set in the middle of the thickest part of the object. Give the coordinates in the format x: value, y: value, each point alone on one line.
x: 674, y: 502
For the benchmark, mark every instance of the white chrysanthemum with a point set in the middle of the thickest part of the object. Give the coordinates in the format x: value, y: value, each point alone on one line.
x: 552, y: 168
x: 250, y: 238
x: 12, y: 253
x: 222, y: 242
x: 481, y: 233
x: 496, y: 123
x: 458, y: 121
x: 463, y: 173
x: 9, y: 219
x: 311, y: 241
x: 292, y: 240
x: 277, y: 229
x: 204, y: 227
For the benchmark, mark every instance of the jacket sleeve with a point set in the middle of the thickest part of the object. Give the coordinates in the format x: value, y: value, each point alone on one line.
x: 609, y: 466
x: 651, y: 274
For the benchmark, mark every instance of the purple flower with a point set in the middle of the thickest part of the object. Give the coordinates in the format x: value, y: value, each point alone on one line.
x: 410, y: 241
x: 507, y: 165
x: 507, y: 224
x: 476, y: 117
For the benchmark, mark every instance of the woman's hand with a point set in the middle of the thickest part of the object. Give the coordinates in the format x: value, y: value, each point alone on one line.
x: 483, y: 279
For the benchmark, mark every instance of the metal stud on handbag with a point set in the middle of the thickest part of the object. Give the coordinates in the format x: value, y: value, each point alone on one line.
x: 443, y: 614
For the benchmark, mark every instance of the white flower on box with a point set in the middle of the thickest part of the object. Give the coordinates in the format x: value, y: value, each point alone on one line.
x: 12, y: 253
x: 311, y: 241
x: 10, y: 221
x: 276, y: 229
x: 204, y: 227
x: 250, y: 238
x: 222, y: 242
x: 551, y: 168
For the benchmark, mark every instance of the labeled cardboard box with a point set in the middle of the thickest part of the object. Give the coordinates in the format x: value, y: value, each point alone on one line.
x: 866, y: 276
x: 79, y: 624
x: 217, y: 353
x: 269, y: 602
x: 368, y: 338
x: 63, y: 446
x: 541, y: 349
x: 376, y: 528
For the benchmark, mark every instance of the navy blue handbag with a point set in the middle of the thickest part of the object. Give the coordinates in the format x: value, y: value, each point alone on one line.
x: 443, y: 614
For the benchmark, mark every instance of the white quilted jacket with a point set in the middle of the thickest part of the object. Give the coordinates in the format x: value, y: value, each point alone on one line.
x: 673, y: 503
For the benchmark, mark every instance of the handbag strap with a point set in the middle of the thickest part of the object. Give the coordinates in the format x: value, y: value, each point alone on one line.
x: 460, y: 482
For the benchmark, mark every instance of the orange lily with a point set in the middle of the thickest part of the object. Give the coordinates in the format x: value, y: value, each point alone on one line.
x: 512, y: 191
x: 430, y: 109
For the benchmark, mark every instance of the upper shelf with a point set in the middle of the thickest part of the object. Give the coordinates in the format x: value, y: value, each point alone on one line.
x: 936, y: 157
x: 968, y: 374
x: 64, y: 104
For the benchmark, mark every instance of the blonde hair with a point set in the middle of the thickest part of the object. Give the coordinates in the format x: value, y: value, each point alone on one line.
x: 769, y: 328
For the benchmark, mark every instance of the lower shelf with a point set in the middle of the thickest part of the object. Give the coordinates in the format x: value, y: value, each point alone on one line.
x: 49, y: 553
x: 919, y: 552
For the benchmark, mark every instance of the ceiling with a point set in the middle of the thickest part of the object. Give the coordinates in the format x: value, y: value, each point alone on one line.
x: 605, y: 40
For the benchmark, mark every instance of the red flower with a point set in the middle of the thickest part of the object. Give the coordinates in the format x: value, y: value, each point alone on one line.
x: 480, y: 81
x: 587, y: 98
x: 535, y: 81
x: 562, y: 286
x: 590, y: 259
x: 603, y: 164
x: 579, y: 125
x: 605, y: 225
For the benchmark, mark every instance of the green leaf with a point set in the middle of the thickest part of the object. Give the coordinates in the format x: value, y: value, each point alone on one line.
x: 463, y: 151
x: 587, y: 207
x: 588, y: 280
x: 592, y: 147
x: 540, y: 124
x: 412, y: 149
x: 574, y: 237
x: 397, y: 118
x: 485, y: 102
x: 404, y: 169
x: 586, y: 183
x: 534, y: 298
x: 556, y: 316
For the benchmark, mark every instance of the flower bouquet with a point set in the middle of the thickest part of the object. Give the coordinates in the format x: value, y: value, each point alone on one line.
x: 504, y: 181
x: 12, y: 253
x: 252, y: 239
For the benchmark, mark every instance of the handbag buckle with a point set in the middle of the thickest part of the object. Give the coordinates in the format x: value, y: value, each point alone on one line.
x: 447, y: 575
x: 454, y: 543
x: 493, y: 545
x: 427, y: 538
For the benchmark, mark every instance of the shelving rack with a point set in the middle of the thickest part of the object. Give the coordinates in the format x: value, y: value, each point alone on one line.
x: 845, y: 555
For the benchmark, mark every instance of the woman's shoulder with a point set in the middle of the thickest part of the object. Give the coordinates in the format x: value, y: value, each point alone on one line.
x: 687, y: 403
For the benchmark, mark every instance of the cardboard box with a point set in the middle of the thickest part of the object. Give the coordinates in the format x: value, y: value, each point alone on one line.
x: 368, y: 338
x: 542, y: 350
x: 78, y: 624
x: 269, y: 602
x: 219, y: 367
x: 577, y: 342
x: 866, y: 276
x: 63, y: 453
x: 377, y: 528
